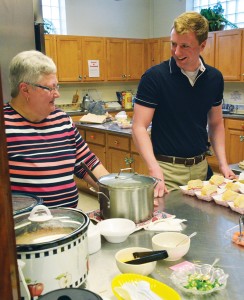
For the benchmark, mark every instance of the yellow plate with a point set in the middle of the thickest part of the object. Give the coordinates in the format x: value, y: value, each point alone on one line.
x: 161, y: 289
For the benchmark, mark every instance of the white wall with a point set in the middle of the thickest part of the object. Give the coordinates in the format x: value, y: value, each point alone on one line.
x: 126, y: 18
x: 164, y: 12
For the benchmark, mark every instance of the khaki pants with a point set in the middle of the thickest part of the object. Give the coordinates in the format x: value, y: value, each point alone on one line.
x: 176, y: 175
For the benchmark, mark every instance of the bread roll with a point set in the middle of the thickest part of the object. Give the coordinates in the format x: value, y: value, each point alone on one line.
x: 229, y: 195
x: 233, y: 186
x: 195, y: 184
x: 208, y: 190
x: 217, y: 179
x: 239, y: 201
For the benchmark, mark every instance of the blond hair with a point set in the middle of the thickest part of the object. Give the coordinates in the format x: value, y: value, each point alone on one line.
x: 192, y: 22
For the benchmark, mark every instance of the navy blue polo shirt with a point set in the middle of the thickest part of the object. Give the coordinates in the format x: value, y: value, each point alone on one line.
x: 180, y: 119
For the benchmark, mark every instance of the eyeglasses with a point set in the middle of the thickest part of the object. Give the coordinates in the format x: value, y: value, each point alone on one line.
x: 50, y: 89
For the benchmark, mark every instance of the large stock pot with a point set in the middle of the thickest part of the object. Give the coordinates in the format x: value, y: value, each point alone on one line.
x: 52, y: 246
x: 126, y: 195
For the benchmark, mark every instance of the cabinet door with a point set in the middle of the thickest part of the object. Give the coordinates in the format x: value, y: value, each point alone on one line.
x: 117, y: 152
x: 234, y: 140
x: 50, y: 46
x: 153, y: 52
x: 165, y: 48
x: 228, y: 53
x: 116, y: 59
x: 135, y: 59
x: 209, y: 50
x: 93, y: 49
x: 242, y: 59
x: 116, y: 160
x: 69, y: 58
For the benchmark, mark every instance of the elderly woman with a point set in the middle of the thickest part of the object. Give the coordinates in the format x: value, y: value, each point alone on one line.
x: 44, y: 147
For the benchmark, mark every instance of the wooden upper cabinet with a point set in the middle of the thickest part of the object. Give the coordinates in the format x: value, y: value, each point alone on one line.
x: 69, y: 58
x: 209, y: 50
x: 152, y: 52
x: 116, y: 59
x: 135, y: 58
x: 242, y: 59
x: 165, y: 48
x: 228, y: 53
x: 125, y: 59
x: 93, y: 49
x: 50, y: 46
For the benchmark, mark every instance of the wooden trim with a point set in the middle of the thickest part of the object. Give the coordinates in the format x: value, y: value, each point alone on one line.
x: 9, y: 287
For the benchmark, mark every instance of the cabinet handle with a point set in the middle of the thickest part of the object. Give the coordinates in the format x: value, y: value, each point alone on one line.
x: 242, y: 126
x: 116, y: 142
x: 123, y: 76
x: 92, y: 137
x: 241, y: 138
x: 128, y: 76
x: 80, y: 77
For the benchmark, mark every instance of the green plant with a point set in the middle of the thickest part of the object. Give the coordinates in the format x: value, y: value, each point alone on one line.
x: 48, y: 27
x: 215, y: 17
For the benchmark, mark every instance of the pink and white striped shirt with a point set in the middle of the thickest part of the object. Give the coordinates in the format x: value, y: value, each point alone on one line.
x: 44, y: 156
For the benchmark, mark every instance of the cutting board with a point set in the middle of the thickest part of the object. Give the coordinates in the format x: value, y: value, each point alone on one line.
x: 93, y: 119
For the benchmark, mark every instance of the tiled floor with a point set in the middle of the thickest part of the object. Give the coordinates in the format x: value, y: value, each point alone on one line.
x: 87, y: 202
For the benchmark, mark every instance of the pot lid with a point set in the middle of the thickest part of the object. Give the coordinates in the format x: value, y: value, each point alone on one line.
x: 71, y: 294
x: 126, y: 180
x: 44, y: 225
x: 23, y: 202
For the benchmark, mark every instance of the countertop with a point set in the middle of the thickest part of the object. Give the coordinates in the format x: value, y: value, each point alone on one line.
x: 211, y: 221
x: 108, y: 127
x: 80, y: 113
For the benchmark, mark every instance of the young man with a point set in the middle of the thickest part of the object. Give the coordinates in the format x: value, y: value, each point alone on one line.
x: 181, y: 97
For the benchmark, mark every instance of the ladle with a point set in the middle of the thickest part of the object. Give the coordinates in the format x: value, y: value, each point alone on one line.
x: 89, y: 171
x: 189, y: 236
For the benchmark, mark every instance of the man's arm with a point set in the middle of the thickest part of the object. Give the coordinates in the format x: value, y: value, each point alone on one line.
x: 216, y: 132
x: 141, y: 120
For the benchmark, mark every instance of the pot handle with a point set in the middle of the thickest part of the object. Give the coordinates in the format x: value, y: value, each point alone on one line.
x: 157, y: 181
x: 21, y: 264
x: 126, y: 169
x: 40, y: 213
x: 93, y: 190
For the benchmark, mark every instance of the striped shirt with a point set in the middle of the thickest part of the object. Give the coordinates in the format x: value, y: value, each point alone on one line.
x: 44, y: 156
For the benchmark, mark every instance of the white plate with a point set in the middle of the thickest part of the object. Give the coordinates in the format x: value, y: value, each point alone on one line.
x: 203, y: 197
x: 222, y: 186
x: 241, y: 189
x: 218, y: 199
x: 184, y: 189
x: 236, y: 209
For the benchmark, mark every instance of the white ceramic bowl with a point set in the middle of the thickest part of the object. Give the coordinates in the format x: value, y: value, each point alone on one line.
x: 126, y: 254
x: 168, y: 240
x: 116, y: 230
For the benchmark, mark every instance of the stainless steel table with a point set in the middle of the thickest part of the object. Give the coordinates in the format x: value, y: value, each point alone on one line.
x: 210, y: 220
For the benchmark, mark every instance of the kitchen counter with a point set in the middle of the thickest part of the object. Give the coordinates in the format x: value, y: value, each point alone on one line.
x: 211, y: 221
x: 234, y: 116
x: 107, y: 127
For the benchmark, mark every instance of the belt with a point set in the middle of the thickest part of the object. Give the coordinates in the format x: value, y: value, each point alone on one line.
x: 180, y: 160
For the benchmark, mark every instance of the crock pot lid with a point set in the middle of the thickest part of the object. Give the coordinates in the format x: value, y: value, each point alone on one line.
x: 70, y: 294
x: 126, y: 180
x: 21, y: 201
x: 62, y: 218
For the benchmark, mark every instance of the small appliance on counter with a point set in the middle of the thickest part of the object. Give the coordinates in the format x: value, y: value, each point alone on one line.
x: 87, y: 100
